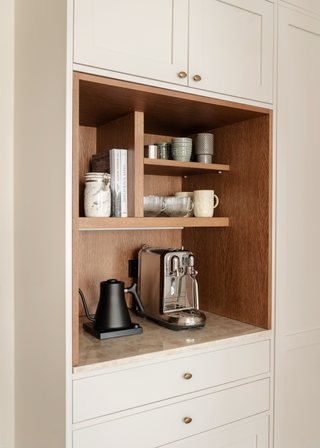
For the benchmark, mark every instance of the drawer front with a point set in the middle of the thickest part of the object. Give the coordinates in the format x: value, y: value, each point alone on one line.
x: 252, y: 434
x: 104, y: 394
x: 168, y: 423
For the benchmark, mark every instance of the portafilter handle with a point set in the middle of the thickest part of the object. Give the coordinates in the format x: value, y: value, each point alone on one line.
x: 133, y: 290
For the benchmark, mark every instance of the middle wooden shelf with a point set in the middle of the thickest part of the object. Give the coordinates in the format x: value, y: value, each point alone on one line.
x: 159, y: 167
x: 138, y: 223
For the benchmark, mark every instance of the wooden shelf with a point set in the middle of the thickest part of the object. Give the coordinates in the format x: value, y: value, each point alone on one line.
x: 132, y: 223
x: 161, y: 167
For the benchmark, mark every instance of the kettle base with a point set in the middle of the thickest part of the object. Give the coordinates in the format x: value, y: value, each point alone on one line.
x: 108, y: 334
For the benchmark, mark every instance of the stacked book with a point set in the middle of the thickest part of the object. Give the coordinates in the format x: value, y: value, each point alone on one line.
x: 114, y: 162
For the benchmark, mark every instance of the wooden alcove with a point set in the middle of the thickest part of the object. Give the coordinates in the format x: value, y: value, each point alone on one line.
x: 232, y: 250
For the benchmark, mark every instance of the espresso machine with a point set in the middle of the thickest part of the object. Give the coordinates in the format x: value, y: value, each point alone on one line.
x: 168, y: 288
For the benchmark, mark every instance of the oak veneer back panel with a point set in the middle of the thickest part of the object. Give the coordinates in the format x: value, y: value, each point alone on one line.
x: 234, y: 262
x: 87, y: 147
x: 127, y: 133
x: 104, y: 255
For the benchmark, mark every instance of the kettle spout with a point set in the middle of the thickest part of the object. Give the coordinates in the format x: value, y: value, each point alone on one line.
x: 85, y: 306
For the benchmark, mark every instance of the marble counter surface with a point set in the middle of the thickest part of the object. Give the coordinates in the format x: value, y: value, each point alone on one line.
x: 157, y: 342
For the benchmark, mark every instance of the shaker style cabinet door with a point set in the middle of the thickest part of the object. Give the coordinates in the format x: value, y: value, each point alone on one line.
x: 307, y: 5
x: 297, y: 362
x: 231, y: 47
x: 147, y: 38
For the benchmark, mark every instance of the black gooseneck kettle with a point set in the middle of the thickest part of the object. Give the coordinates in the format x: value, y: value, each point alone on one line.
x: 112, y: 312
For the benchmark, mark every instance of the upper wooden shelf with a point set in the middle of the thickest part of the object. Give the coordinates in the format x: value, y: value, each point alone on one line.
x: 132, y: 223
x: 166, y: 112
x: 174, y: 168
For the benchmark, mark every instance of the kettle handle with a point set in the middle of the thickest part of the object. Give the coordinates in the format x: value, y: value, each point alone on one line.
x: 85, y: 306
x: 133, y: 290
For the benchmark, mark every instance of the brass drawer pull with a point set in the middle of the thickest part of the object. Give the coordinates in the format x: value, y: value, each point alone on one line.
x: 197, y: 78
x: 187, y: 376
x: 182, y: 75
x: 187, y: 420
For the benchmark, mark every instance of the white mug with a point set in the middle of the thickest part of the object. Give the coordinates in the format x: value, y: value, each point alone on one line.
x: 205, y: 201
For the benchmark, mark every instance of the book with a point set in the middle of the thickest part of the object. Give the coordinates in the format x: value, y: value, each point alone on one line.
x: 115, y: 162
x: 101, y: 162
x: 124, y: 183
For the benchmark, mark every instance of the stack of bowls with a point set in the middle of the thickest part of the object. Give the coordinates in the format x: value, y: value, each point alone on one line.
x: 204, y: 148
x: 181, y: 149
x: 164, y: 150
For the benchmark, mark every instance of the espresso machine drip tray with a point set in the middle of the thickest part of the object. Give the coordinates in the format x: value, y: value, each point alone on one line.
x: 179, y: 320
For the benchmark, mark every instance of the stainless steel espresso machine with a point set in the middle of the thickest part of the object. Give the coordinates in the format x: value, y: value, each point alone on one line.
x: 168, y: 288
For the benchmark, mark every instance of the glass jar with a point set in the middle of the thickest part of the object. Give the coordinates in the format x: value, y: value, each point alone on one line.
x: 97, y: 195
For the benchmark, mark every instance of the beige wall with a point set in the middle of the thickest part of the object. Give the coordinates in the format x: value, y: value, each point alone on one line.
x: 6, y: 226
x: 40, y: 111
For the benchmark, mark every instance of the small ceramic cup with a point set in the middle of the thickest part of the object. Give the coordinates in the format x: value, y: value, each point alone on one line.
x: 186, y: 194
x: 205, y: 201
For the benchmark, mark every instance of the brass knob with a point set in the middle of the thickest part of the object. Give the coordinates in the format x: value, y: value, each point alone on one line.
x: 187, y: 376
x: 187, y: 420
x: 182, y: 75
x: 197, y: 78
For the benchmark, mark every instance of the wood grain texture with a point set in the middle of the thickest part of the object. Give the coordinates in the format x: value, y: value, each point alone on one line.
x: 87, y: 147
x: 234, y: 263
x: 75, y: 224
x: 105, y: 255
x: 177, y: 168
x: 158, y: 222
x: 127, y: 133
x: 167, y: 112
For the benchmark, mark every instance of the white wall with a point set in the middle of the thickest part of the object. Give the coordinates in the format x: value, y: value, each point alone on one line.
x: 6, y: 225
x: 40, y: 224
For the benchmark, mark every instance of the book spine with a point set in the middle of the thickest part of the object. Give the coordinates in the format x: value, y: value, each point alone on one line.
x: 117, y: 189
x: 124, y: 184
x: 112, y: 181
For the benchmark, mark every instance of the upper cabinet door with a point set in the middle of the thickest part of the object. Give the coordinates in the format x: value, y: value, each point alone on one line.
x: 308, y: 5
x: 147, y: 38
x: 231, y: 47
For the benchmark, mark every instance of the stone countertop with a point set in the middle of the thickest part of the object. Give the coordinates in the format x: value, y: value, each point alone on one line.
x: 157, y: 342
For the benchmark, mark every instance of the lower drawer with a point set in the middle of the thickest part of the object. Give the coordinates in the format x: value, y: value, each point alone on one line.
x: 252, y: 434
x: 180, y: 420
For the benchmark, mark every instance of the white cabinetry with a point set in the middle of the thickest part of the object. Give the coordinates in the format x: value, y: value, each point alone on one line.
x: 141, y: 37
x: 308, y: 5
x: 177, y: 399
x: 297, y: 381
x: 231, y: 47
x: 251, y: 434
x: 230, y: 42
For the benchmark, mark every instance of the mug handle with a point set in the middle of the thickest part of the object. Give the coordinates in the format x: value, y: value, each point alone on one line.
x: 163, y: 205
x: 216, y: 201
x: 192, y: 205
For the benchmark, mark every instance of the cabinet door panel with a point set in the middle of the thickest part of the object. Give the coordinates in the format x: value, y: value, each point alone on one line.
x: 253, y: 434
x: 231, y: 47
x: 147, y: 38
x: 308, y: 5
x: 167, y: 424
x: 297, y: 365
